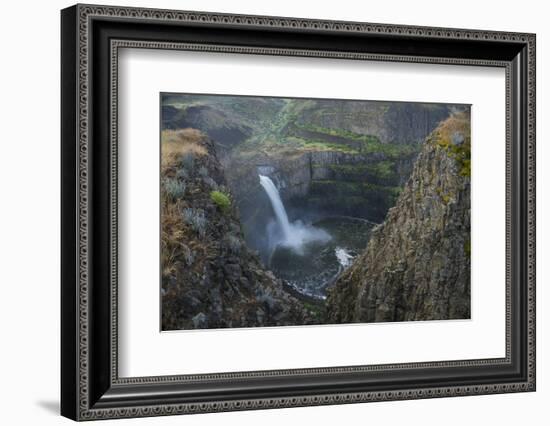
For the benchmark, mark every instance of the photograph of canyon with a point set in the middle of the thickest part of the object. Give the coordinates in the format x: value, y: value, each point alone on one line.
x: 298, y: 211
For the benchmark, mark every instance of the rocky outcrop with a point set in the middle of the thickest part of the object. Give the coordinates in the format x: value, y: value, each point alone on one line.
x: 216, y: 123
x: 390, y: 122
x: 417, y: 263
x: 210, y: 279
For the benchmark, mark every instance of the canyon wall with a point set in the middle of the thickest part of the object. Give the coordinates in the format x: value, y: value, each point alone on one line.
x: 417, y: 263
x: 210, y: 278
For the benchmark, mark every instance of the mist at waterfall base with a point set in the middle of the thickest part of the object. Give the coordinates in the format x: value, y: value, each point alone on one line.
x: 309, y: 256
x: 285, y: 234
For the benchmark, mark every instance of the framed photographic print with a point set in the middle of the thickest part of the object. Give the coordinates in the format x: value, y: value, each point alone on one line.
x: 263, y: 212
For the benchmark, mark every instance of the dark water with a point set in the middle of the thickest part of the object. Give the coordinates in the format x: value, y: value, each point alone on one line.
x: 312, y: 270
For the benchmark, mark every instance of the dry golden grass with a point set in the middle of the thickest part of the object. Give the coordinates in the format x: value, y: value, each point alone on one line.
x: 177, y: 239
x: 172, y: 236
x: 459, y: 122
x: 176, y: 143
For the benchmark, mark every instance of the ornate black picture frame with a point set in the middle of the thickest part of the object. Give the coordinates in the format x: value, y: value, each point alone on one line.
x: 91, y: 387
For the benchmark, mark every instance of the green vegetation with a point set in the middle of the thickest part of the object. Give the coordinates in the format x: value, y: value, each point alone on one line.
x: 461, y: 153
x: 196, y: 219
x: 283, y: 131
x: 350, y: 171
x: 174, y: 189
x: 387, y: 193
x: 351, y: 188
x: 384, y: 169
x: 319, y: 145
x: 352, y: 194
x: 222, y: 200
x: 392, y: 151
x: 335, y: 132
x: 381, y: 172
x: 362, y: 143
x: 458, y: 126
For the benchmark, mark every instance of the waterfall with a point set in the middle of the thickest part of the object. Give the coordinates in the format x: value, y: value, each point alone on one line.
x: 294, y: 235
x: 278, y: 206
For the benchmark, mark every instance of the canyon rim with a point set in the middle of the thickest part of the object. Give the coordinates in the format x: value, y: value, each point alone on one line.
x: 289, y: 211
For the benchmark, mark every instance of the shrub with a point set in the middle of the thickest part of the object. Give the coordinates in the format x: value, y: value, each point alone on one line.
x: 182, y: 173
x: 173, y: 188
x: 203, y: 171
x: 188, y: 160
x: 234, y: 244
x: 221, y: 199
x: 196, y: 219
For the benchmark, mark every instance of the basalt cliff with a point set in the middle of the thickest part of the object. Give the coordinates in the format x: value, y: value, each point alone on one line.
x: 210, y: 279
x: 417, y: 263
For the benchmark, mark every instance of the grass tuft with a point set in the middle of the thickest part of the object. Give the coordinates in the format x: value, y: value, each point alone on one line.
x: 173, y: 188
x: 196, y: 219
x: 222, y: 200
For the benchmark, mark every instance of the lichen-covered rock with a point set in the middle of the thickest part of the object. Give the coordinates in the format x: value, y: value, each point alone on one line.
x: 210, y: 279
x: 417, y: 263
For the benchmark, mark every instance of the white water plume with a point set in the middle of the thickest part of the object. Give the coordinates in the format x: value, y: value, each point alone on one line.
x: 296, y: 234
x: 344, y: 258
